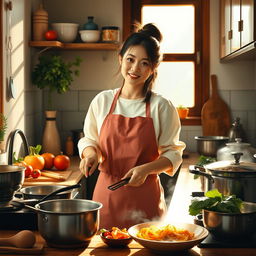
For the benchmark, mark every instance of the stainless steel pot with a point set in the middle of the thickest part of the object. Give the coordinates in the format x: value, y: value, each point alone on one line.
x: 11, y: 179
x: 67, y: 223
x: 232, y: 226
x: 38, y: 192
x: 230, y: 178
x: 208, y: 145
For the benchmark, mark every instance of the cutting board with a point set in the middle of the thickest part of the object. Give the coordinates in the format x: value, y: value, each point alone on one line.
x: 216, y: 120
x: 42, y: 179
x: 37, y: 249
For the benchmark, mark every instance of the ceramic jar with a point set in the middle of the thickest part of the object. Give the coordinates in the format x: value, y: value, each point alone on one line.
x: 90, y: 25
x: 40, y: 24
x: 51, y: 138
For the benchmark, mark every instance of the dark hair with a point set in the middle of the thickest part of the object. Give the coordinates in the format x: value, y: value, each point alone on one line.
x: 149, y: 37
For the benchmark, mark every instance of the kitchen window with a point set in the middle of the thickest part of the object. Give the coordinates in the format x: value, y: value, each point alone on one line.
x: 183, y: 75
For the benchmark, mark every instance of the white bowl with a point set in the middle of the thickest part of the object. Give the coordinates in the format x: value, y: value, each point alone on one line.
x: 168, y: 246
x: 90, y: 36
x: 67, y: 32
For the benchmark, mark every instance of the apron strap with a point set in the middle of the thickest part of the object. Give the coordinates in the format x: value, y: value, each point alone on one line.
x: 113, y: 105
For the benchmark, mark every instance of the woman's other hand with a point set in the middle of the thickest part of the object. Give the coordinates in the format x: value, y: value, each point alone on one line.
x: 89, y: 161
x: 138, y: 176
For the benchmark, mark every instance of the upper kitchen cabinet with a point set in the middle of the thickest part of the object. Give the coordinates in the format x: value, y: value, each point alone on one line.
x: 237, y: 22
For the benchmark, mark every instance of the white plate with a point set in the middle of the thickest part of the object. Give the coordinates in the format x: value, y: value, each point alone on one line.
x: 200, y: 234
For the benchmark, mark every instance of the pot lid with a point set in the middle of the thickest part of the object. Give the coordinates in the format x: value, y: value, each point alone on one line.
x: 233, y: 167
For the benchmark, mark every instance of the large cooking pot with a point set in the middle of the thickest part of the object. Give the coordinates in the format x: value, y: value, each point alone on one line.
x: 230, y: 177
x: 232, y: 226
x: 67, y: 223
x: 11, y: 180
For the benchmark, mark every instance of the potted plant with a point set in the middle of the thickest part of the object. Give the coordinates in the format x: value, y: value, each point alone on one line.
x: 3, y: 128
x: 54, y: 74
x: 182, y: 111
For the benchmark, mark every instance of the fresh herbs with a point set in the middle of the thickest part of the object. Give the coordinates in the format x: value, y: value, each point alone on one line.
x: 215, y: 201
x: 3, y: 126
x: 54, y: 73
x: 203, y: 160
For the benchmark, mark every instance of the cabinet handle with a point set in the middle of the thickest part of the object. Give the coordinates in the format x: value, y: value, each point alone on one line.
x: 230, y: 34
x: 198, y: 57
x: 240, y: 25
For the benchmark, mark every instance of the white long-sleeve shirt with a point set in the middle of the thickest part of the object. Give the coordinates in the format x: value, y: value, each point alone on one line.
x: 165, y: 118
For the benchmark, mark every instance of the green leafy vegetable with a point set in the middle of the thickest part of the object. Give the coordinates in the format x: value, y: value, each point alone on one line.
x: 203, y: 160
x: 215, y: 201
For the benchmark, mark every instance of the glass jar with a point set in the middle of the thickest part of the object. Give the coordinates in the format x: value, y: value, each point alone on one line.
x: 110, y: 34
x: 225, y: 153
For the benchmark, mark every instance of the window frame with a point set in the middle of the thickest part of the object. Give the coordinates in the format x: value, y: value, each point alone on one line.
x: 132, y: 13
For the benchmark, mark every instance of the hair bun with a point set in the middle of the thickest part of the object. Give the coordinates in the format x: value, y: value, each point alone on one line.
x: 151, y: 30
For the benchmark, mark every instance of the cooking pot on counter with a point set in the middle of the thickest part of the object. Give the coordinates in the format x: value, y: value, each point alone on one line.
x: 230, y: 177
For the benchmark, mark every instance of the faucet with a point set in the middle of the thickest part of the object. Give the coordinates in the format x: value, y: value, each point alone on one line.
x: 10, y: 142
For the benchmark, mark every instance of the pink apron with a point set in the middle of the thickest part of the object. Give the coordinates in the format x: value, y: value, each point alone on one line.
x: 125, y: 143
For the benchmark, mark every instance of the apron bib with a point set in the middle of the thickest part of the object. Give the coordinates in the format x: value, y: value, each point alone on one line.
x: 125, y: 143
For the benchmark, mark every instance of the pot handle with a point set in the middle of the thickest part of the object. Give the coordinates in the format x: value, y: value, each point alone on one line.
x: 24, y: 204
x: 196, y: 169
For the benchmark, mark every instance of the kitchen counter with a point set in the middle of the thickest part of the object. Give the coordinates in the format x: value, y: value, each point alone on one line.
x: 177, y: 210
x: 97, y: 248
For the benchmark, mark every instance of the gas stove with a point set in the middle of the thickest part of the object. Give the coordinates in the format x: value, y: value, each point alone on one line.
x: 14, y: 217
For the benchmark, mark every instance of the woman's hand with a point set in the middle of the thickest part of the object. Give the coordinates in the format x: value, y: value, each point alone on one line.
x: 138, y: 176
x: 89, y: 162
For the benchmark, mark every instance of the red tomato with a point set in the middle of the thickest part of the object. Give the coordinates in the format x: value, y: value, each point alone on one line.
x: 51, y: 35
x: 28, y: 171
x: 36, y: 173
x: 48, y: 160
x: 61, y: 162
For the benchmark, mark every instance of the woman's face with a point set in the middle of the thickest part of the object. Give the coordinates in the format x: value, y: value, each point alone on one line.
x: 135, y: 66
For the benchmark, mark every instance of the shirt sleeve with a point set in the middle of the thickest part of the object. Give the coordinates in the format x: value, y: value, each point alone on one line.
x: 168, y: 140
x: 91, y: 136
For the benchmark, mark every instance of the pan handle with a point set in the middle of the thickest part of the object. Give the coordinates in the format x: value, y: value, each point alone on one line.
x: 23, y: 204
x: 195, y: 169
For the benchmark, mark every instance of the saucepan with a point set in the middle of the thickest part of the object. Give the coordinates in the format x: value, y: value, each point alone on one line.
x: 66, y: 223
x: 232, y: 226
x: 39, y: 192
x: 11, y: 180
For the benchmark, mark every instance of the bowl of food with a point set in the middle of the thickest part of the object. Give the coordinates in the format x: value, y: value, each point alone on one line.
x: 162, y: 237
x: 67, y: 32
x: 115, y: 237
x: 90, y: 36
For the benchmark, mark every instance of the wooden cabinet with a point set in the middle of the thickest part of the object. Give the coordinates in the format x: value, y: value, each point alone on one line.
x: 237, y: 36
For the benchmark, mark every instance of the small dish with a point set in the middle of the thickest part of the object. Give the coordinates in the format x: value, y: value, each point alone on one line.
x: 116, y: 242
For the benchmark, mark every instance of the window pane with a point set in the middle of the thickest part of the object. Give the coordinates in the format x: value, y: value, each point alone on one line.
x: 178, y: 36
x: 175, y: 80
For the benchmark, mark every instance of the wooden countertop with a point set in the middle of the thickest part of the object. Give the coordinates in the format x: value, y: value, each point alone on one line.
x: 73, y: 176
x: 97, y: 248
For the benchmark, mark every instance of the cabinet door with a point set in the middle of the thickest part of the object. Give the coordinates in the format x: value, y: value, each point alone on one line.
x: 225, y: 27
x: 235, y: 19
x: 247, y: 27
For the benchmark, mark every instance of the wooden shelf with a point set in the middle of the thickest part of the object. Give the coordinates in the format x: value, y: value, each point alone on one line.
x: 74, y: 46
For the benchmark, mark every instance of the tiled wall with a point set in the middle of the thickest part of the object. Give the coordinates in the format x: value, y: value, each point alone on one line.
x: 72, y: 108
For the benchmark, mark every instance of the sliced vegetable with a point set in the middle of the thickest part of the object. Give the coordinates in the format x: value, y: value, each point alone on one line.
x: 115, y: 233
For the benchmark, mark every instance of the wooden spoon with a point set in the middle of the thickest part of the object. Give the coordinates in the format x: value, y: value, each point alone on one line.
x: 23, y: 239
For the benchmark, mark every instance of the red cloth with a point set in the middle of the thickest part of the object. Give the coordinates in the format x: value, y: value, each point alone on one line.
x: 125, y: 143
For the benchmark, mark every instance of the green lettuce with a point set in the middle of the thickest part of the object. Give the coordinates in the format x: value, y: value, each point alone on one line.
x: 215, y: 201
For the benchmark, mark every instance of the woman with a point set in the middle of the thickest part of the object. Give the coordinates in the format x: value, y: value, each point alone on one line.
x: 132, y: 132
